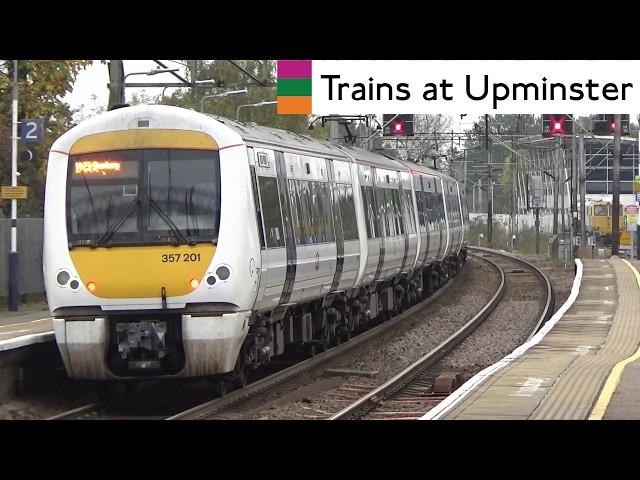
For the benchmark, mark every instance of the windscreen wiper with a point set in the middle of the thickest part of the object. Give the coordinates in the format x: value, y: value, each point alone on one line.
x: 174, y: 228
x: 116, y: 226
x: 93, y: 207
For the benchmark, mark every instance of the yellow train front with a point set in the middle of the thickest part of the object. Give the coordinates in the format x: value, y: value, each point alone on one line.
x: 145, y: 274
x: 602, y: 225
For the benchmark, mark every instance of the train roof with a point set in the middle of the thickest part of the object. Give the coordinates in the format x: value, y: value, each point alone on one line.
x: 253, y: 132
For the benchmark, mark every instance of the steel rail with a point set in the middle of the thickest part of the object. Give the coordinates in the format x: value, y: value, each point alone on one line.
x: 273, y: 381
x: 549, y: 305
x: 391, y: 386
x: 373, y: 398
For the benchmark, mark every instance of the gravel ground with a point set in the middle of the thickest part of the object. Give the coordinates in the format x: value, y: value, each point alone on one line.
x: 497, y: 337
x: 397, y: 350
x: 68, y: 394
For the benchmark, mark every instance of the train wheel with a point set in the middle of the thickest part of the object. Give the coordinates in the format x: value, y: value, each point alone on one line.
x: 130, y: 387
x: 219, y: 387
x: 239, y: 379
x: 347, y: 335
x: 311, y: 350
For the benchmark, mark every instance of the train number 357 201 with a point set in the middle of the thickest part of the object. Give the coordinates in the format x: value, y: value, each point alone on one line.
x: 180, y: 257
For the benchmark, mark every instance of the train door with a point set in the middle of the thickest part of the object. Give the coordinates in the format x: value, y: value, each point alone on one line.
x: 375, y: 246
x: 410, y: 231
x: 453, y: 211
x: 287, y: 223
x: 274, y: 253
x: 422, y: 219
x: 445, y: 229
x: 387, y: 194
x: 313, y: 232
x: 344, y: 215
x: 434, y: 217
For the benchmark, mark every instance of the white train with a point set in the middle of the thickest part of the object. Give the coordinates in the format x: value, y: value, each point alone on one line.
x: 177, y: 244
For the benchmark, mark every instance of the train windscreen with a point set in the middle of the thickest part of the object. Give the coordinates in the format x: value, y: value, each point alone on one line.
x: 143, y: 196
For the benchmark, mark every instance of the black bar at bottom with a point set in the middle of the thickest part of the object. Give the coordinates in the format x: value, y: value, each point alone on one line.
x: 14, y: 282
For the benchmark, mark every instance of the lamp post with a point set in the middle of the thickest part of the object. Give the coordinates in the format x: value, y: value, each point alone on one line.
x: 14, y: 279
x: 259, y: 104
x: 223, y: 94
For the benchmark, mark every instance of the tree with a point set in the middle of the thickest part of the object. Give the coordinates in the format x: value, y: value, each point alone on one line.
x: 41, y: 86
x: 429, y: 141
x: 258, y: 77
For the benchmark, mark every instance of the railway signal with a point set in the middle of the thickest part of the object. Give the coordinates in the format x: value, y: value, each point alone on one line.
x: 554, y: 124
x: 396, y: 125
x: 604, y: 124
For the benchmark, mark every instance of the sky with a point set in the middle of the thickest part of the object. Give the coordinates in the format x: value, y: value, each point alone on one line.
x: 93, y: 81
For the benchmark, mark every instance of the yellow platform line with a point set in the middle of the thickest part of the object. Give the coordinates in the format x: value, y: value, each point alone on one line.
x: 614, y: 377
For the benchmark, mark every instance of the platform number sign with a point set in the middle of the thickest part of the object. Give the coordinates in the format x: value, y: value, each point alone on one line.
x: 31, y: 130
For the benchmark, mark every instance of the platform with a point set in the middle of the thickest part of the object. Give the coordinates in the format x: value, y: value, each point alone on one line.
x: 562, y: 372
x: 18, y: 329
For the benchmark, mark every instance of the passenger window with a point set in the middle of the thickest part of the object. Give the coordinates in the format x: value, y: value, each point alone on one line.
x: 256, y: 201
x: 324, y: 201
x: 382, y: 212
x: 296, y: 213
x: 348, y: 213
x: 271, y: 212
x: 407, y: 206
x: 369, y: 212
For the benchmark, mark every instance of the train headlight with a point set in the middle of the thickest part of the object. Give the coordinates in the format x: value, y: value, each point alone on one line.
x: 211, y: 280
x: 74, y: 284
x: 223, y: 272
x: 91, y: 286
x: 63, y: 278
x: 194, y: 282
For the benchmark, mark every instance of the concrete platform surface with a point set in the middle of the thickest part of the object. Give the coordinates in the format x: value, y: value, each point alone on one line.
x: 561, y: 375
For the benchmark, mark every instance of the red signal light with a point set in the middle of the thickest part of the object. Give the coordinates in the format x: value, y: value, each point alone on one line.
x: 557, y: 126
x: 397, y: 127
x: 613, y: 126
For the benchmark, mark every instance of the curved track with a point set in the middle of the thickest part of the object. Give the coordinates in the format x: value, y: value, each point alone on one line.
x: 412, y: 388
x: 254, y: 393
x: 411, y: 393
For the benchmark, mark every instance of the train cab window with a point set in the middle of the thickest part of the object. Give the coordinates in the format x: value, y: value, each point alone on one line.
x: 600, y: 211
x: 182, y: 186
x: 143, y: 196
x: 272, y: 214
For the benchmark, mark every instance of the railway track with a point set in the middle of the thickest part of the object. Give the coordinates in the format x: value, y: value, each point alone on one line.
x: 407, y: 395
x: 415, y: 390
x: 243, y: 400
x: 239, y: 403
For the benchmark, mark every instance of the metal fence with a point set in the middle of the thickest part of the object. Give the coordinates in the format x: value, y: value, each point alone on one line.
x: 30, y: 234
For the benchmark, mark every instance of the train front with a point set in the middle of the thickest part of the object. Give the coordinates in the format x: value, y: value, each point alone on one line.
x: 147, y: 273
